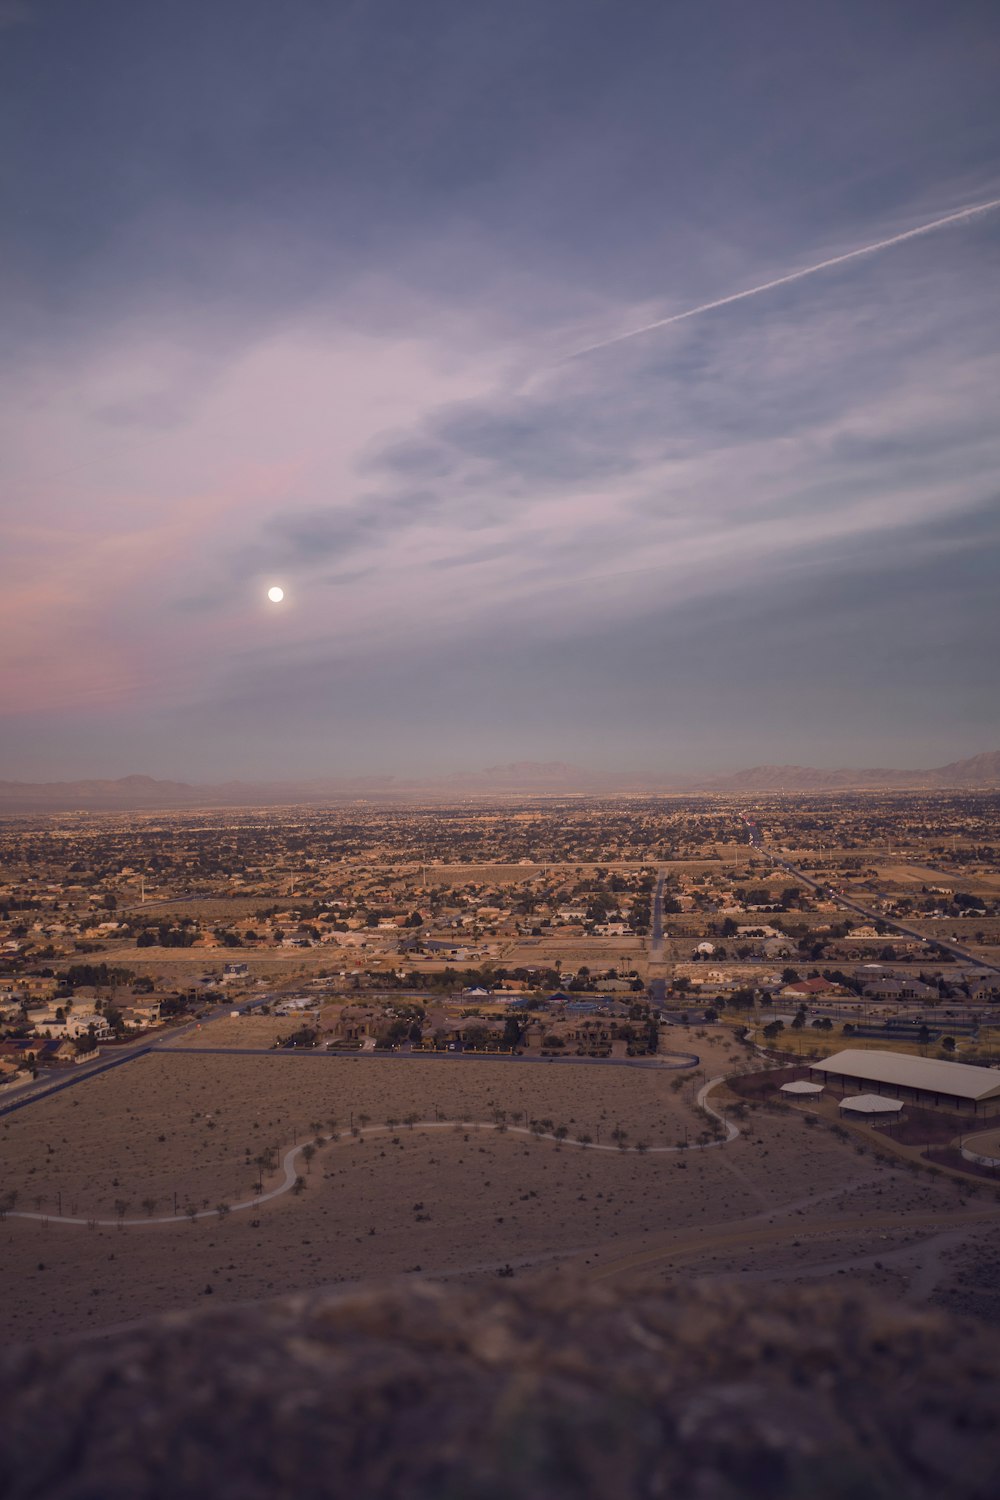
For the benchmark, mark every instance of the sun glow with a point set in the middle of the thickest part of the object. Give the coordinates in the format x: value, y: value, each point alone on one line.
x: 276, y: 594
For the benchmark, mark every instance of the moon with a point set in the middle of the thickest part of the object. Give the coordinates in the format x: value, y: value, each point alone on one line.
x: 276, y: 594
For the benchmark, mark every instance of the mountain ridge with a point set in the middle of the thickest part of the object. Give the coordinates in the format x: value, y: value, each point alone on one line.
x: 139, y: 792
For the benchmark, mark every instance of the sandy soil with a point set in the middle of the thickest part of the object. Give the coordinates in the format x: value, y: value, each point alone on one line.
x: 185, y: 1121
x: 455, y: 1202
x: 240, y: 1031
x: 183, y: 966
x: 569, y: 953
x: 921, y: 875
x: 986, y: 1143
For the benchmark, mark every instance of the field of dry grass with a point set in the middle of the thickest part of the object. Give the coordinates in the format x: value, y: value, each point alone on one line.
x: 910, y: 875
x: 569, y: 952
x: 181, y: 968
x: 205, y: 908
x: 453, y: 1201
x: 191, y: 1123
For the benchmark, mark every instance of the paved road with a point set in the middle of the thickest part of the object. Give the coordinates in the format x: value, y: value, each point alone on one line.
x: 656, y: 984
x: 757, y: 840
x: 48, y: 1083
x: 663, y: 1060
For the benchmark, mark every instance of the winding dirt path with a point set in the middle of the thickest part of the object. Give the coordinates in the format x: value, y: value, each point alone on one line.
x: 289, y: 1173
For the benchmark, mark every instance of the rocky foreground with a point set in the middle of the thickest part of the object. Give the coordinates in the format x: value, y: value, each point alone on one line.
x: 542, y: 1392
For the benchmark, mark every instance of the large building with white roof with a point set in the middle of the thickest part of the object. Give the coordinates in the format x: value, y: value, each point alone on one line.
x: 920, y: 1080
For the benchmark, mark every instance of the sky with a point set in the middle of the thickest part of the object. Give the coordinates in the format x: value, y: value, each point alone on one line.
x: 307, y: 294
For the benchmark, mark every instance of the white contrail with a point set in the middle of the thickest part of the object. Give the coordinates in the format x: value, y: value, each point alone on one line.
x: 768, y: 286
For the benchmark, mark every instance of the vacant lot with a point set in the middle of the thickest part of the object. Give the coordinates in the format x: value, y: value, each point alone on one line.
x: 454, y: 1200
x: 192, y: 1123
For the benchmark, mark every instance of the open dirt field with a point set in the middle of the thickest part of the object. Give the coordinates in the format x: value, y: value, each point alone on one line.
x: 453, y: 1200
x: 188, y: 1121
x: 241, y: 1032
x: 986, y: 1143
x: 903, y: 875
x: 183, y: 966
x: 569, y: 953
x: 204, y: 908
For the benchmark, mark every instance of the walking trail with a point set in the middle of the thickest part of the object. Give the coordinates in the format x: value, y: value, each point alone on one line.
x: 289, y: 1173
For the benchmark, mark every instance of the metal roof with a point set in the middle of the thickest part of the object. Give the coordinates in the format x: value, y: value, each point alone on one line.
x: 872, y: 1104
x: 931, y: 1074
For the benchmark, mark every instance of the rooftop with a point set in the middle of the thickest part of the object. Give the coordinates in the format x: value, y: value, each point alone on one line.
x: 961, y: 1080
x: 872, y: 1104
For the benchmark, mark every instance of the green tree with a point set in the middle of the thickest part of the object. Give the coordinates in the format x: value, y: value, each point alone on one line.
x: 511, y: 1033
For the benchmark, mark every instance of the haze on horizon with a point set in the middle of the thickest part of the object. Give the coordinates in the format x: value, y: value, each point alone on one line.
x: 289, y: 295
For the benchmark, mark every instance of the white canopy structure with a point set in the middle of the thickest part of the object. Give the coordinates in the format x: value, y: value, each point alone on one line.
x: 801, y: 1086
x: 871, y: 1104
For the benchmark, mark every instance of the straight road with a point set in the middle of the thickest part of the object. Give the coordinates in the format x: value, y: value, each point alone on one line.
x: 757, y: 840
x: 46, y: 1084
x: 656, y: 984
x: 663, y: 1060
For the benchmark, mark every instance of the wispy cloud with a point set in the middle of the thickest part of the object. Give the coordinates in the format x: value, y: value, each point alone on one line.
x: 961, y: 215
x: 309, y: 329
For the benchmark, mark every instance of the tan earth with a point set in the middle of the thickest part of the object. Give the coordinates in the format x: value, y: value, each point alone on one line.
x: 452, y: 1201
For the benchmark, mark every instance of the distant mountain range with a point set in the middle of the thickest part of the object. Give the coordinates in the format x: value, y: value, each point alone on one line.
x: 978, y: 771
x: 524, y: 778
